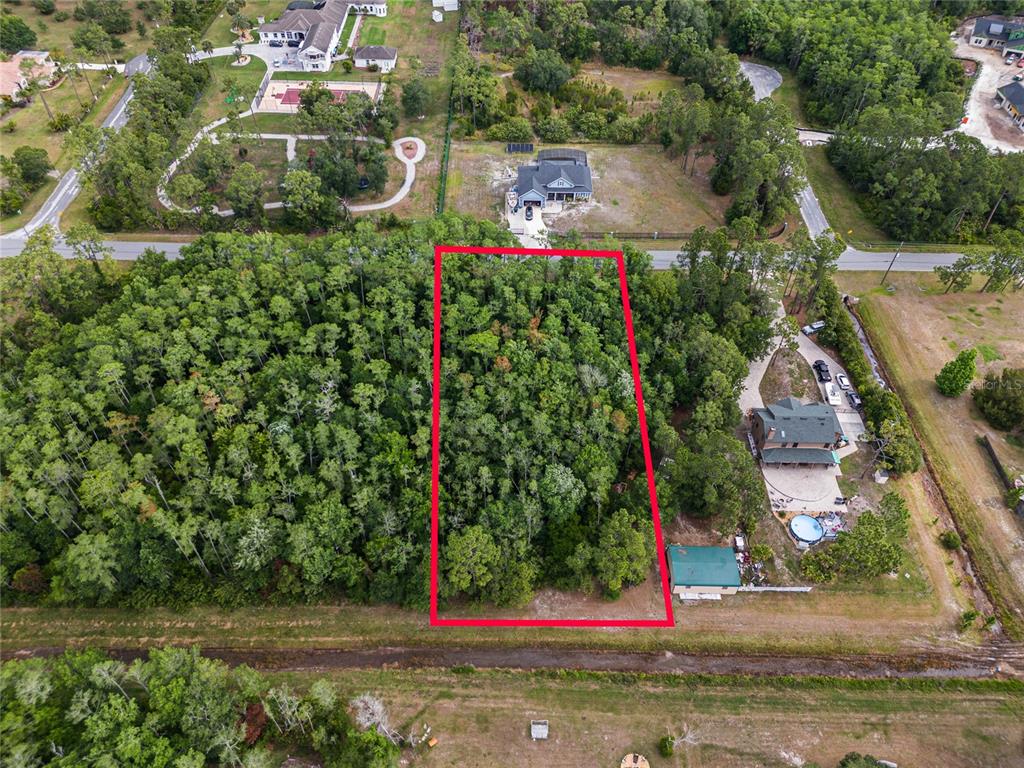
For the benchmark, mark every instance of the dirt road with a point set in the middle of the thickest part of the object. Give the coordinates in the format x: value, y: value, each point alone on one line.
x: 997, y: 660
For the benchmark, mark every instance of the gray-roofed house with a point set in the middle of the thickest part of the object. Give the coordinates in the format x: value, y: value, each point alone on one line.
x: 557, y: 175
x: 791, y: 432
x: 317, y: 29
x: 381, y: 56
x: 1011, y: 98
x: 990, y: 32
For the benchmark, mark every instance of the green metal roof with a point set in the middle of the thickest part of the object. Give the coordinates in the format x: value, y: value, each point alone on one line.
x: 799, y: 456
x: 703, y: 566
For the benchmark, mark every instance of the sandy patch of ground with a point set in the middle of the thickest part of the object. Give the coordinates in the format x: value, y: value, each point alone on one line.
x: 985, y: 121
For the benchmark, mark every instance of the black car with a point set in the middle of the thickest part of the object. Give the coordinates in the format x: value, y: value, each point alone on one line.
x: 294, y: 43
x: 276, y: 44
x: 529, y: 213
x: 854, y: 399
x: 821, y: 368
x: 364, y: 183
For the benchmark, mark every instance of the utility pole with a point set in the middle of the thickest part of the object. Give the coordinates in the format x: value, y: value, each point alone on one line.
x: 894, y: 257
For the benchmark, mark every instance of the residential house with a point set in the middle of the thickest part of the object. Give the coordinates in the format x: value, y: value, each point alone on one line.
x: 996, y: 33
x: 1011, y: 98
x: 12, y: 76
x: 315, y: 28
x: 446, y: 5
x: 558, y: 175
x: 703, y: 573
x: 791, y: 432
x: 381, y: 56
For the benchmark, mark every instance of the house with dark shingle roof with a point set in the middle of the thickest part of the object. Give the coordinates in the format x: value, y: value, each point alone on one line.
x: 557, y: 175
x: 791, y: 432
x: 381, y: 56
x: 992, y: 32
x: 316, y: 27
x: 1011, y: 98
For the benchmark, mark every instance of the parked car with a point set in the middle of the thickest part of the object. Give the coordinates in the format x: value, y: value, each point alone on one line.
x: 364, y: 183
x: 832, y: 395
x: 1021, y: 63
x: 276, y: 44
x: 1018, y: 78
x: 813, y: 327
x: 842, y: 381
x: 277, y: 62
x: 854, y: 399
x: 529, y: 213
x: 821, y: 368
x: 294, y: 43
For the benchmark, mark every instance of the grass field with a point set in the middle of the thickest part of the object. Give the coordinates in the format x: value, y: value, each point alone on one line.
x: 31, y: 129
x: 636, y: 188
x: 915, y: 330
x: 212, y: 105
x: 372, y: 32
x: 642, y: 89
x: 481, y: 718
x: 52, y: 34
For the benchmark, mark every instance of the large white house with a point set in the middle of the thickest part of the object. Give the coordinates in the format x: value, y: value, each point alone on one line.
x: 314, y: 27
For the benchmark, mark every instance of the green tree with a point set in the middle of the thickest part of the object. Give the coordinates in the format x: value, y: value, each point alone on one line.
x: 1000, y: 398
x: 15, y: 34
x: 33, y: 163
x: 542, y: 70
x: 471, y: 557
x: 414, y: 97
x: 626, y: 552
x: 956, y: 375
x: 245, y: 192
x: 305, y: 205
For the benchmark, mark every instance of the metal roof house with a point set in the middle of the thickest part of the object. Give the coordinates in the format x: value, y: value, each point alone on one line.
x: 556, y: 176
x: 1004, y: 35
x: 703, y: 572
x: 317, y: 28
x: 1011, y: 98
x: 791, y: 432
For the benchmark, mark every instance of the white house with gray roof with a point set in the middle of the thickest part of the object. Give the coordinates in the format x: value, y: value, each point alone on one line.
x: 314, y: 27
x: 557, y: 175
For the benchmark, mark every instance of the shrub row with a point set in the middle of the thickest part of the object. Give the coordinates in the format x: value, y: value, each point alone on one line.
x: 883, y: 411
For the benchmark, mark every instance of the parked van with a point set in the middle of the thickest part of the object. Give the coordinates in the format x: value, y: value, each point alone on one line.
x: 832, y: 394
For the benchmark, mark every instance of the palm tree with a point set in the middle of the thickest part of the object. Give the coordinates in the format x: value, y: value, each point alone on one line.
x: 71, y: 70
x: 238, y: 51
x: 207, y: 47
x: 80, y: 54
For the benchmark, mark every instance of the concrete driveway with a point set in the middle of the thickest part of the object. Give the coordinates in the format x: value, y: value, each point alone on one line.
x: 849, y: 418
x: 532, y: 233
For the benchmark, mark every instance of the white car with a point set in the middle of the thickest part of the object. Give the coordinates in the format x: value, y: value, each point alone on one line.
x: 842, y: 381
x: 832, y: 395
x: 277, y: 62
x: 813, y: 327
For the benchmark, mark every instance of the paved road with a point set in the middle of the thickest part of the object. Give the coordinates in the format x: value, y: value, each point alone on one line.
x: 764, y: 79
x: 68, y: 187
x: 854, y: 260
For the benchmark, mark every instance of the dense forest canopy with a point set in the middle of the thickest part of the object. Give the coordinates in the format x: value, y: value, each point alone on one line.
x: 253, y: 421
x: 177, y: 709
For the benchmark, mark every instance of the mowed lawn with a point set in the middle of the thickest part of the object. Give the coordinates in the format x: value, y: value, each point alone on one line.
x: 916, y: 330
x: 213, y: 103
x: 219, y: 32
x: 482, y: 718
x: 52, y: 34
x: 636, y: 189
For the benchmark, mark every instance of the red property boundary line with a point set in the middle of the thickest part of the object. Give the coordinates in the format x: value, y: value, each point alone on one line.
x: 435, y: 620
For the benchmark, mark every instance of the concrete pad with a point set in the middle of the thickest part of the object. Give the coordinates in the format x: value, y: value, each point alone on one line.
x: 803, y: 489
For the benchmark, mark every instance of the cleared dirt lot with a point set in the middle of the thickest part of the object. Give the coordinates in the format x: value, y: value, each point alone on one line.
x: 636, y: 188
x: 986, y: 122
x: 916, y: 330
x: 482, y: 719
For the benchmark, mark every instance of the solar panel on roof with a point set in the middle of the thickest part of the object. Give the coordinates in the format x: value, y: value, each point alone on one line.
x: 519, y: 147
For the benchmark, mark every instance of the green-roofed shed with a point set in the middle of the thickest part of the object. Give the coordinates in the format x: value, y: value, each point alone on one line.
x: 703, y: 571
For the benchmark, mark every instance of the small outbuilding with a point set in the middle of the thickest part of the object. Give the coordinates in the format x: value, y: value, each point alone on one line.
x: 703, y: 573
x: 381, y: 56
x: 538, y: 729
